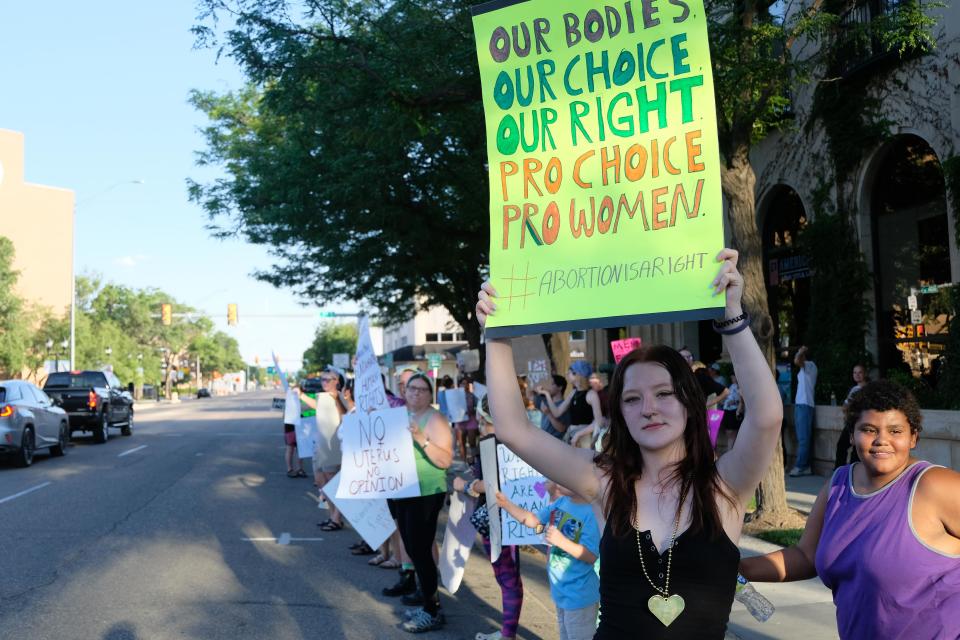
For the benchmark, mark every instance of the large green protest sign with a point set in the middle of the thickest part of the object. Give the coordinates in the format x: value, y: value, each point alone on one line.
x: 605, y: 201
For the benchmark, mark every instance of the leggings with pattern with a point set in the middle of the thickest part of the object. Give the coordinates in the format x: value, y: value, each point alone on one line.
x: 506, y: 569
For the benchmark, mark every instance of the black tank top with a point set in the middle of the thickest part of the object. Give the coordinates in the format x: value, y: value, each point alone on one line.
x: 581, y: 412
x: 703, y: 573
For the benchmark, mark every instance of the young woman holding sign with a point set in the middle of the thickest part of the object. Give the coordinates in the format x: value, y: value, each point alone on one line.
x: 417, y: 517
x: 671, y: 513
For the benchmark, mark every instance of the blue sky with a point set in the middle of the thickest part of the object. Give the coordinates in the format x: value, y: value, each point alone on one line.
x: 100, y: 91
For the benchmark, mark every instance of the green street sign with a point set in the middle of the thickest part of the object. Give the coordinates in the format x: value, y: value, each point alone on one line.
x: 328, y: 314
x: 434, y: 359
x: 930, y: 288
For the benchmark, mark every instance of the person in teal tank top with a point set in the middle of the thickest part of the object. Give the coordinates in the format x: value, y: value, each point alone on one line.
x: 417, y: 517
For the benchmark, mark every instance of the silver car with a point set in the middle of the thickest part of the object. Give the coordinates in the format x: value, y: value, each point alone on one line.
x: 29, y: 420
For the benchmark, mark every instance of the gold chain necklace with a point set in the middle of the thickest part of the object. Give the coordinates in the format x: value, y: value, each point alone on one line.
x: 664, y: 606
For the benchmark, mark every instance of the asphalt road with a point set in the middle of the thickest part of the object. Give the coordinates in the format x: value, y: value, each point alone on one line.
x: 144, y: 538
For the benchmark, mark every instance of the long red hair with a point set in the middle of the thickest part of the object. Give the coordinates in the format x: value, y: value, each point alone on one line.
x: 622, y: 460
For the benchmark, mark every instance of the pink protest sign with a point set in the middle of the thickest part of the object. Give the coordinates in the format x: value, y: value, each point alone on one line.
x: 714, y: 418
x: 623, y: 347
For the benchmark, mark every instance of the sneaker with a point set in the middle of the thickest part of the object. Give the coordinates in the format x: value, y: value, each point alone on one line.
x: 421, y: 621
x: 406, y: 584
x: 414, y: 599
x: 412, y: 612
x: 797, y: 471
x: 496, y: 635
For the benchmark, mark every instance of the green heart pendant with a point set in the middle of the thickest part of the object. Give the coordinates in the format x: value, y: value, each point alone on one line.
x: 666, y: 609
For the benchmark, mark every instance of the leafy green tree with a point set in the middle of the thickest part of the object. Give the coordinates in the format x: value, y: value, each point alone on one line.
x: 330, y: 338
x: 356, y: 151
x: 126, y: 321
x: 217, y: 352
x: 14, y: 316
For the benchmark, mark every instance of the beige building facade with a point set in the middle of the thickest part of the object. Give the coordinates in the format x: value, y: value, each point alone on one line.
x: 39, y: 221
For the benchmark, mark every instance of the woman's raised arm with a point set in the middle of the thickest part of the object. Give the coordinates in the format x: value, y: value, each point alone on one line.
x: 743, y: 467
x: 572, y: 468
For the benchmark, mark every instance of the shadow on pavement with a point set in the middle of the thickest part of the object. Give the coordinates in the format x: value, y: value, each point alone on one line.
x: 121, y: 631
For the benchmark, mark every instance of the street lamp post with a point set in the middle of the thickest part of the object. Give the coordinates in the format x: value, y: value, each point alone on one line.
x: 73, y: 269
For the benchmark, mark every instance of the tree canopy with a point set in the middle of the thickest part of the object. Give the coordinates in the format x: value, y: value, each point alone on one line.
x: 356, y: 152
x: 15, y: 319
x: 329, y: 339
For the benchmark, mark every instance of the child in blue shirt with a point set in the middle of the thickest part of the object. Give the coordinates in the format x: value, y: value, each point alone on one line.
x: 574, y: 538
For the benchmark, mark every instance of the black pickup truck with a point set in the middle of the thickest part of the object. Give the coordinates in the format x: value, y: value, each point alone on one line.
x: 94, y: 401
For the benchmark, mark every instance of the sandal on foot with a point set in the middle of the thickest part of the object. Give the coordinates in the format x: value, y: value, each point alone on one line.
x: 330, y: 525
x: 391, y: 563
x: 291, y: 473
x: 324, y: 523
x: 377, y: 560
x: 301, y: 473
x: 365, y: 550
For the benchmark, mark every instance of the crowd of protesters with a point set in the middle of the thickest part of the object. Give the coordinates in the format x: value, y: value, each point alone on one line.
x: 645, y: 510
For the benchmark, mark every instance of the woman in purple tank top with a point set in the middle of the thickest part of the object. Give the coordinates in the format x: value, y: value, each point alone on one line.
x: 884, y: 534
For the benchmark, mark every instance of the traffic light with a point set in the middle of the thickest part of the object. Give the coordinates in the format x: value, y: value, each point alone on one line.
x: 921, y: 330
x: 166, y: 314
x: 232, y: 314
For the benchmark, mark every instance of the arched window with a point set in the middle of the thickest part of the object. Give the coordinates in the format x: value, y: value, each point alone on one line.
x: 911, y: 256
x: 786, y: 269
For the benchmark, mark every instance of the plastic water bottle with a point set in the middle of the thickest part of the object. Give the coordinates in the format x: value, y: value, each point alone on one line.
x: 758, y: 606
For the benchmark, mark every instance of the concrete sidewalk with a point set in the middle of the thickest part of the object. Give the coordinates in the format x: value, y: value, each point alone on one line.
x: 802, y: 491
x: 804, y: 610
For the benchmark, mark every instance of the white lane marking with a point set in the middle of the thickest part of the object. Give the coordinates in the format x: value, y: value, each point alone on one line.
x: 126, y: 453
x: 25, y: 492
x: 284, y: 539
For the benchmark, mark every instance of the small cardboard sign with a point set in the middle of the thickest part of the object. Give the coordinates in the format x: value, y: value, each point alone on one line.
x: 283, y: 376
x: 370, y: 518
x: 538, y: 371
x: 621, y: 348
x: 491, y: 482
x: 714, y: 419
x: 326, y: 451
x: 456, y: 400
x: 458, y: 539
x: 378, y: 459
x: 291, y: 407
x: 369, y: 392
x: 525, y: 487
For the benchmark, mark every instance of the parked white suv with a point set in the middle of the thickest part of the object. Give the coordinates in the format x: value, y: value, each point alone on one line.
x: 30, y: 420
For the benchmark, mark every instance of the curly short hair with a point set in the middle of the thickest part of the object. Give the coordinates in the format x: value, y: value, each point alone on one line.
x: 884, y: 395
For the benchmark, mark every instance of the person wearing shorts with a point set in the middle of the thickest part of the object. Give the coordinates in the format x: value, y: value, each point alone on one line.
x: 291, y: 455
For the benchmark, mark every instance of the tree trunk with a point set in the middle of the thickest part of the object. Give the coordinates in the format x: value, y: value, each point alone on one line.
x: 739, y: 183
x: 559, y: 352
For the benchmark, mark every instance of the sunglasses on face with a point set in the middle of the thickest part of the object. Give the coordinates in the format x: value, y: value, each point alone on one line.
x: 418, y: 389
